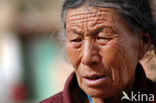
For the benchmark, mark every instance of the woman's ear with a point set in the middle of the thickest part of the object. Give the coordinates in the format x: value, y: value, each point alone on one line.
x: 145, y: 42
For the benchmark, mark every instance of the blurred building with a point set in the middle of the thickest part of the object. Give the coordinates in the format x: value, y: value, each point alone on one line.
x: 31, y: 56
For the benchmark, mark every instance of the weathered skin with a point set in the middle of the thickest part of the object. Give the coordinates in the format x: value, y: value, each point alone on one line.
x: 99, y: 41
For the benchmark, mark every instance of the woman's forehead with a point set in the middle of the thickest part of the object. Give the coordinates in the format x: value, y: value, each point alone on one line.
x: 90, y: 15
x: 93, y: 17
x: 86, y: 9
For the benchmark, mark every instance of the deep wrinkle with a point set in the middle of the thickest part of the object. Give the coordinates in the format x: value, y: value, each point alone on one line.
x: 110, y: 51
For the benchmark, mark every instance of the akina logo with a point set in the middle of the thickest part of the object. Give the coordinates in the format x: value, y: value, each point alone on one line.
x: 137, y: 97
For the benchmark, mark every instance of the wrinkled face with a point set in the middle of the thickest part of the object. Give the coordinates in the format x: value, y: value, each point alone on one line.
x: 102, y: 49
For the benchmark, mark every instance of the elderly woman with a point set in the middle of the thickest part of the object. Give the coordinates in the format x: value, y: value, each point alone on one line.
x: 105, y: 39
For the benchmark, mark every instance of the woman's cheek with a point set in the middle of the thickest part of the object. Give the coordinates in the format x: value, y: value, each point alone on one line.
x: 73, y: 55
x: 114, y: 60
x: 110, y: 52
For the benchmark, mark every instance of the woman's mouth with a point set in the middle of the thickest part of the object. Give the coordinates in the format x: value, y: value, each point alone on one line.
x: 98, y: 77
x: 97, y: 80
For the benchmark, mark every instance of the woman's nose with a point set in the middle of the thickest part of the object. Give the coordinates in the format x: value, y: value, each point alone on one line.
x: 90, y: 56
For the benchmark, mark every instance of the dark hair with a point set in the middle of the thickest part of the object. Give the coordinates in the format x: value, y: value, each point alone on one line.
x: 137, y: 13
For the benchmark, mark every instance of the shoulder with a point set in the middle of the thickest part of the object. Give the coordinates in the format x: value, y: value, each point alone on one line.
x: 58, y: 98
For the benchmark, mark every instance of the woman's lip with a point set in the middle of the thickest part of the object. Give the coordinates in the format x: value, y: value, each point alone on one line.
x: 97, y: 81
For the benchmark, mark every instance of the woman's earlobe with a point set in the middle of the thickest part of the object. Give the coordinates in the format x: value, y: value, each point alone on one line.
x: 145, y: 44
x: 146, y: 38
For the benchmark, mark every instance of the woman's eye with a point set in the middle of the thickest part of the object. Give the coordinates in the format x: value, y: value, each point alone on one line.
x: 102, y: 40
x: 76, y: 43
x: 76, y: 40
x: 98, y: 38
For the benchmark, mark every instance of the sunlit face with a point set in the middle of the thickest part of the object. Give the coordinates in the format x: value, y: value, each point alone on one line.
x: 102, y: 49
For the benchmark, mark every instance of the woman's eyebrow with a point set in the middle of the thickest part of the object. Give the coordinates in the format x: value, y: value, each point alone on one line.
x: 78, y: 33
x: 93, y: 33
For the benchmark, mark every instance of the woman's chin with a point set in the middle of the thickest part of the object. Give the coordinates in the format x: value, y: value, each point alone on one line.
x: 99, y: 92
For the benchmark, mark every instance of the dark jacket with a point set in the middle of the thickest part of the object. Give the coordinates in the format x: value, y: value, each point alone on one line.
x: 142, y: 84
